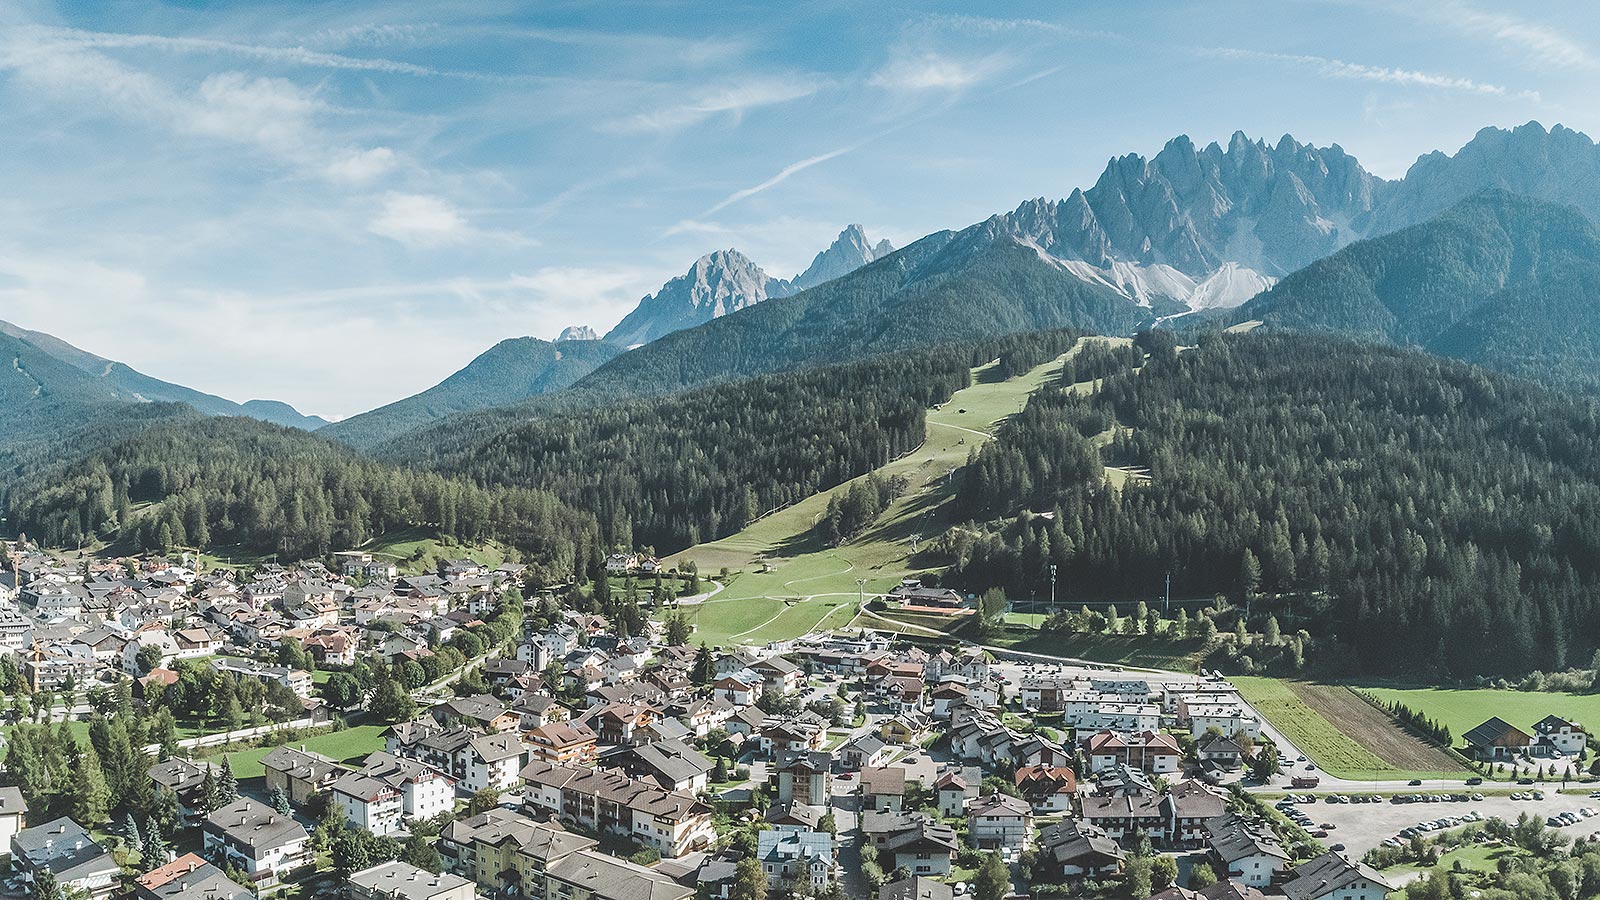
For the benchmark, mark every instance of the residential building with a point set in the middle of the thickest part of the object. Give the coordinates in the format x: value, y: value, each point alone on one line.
x: 803, y: 776
x: 262, y: 842
x: 368, y: 803
x: 424, y: 791
x: 1333, y: 876
x: 562, y: 743
x: 1048, y: 789
x: 1247, y: 850
x: 673, y: 822
x: 883, y: 789
x: 673, y: 765
x: 13, y: 815
x: 1560, y: 736
x: 1072, y: 851
x: 64, y: 848
x: 786, y: 853
x: 1496, y: 740
x: 999, y: 820
x: 916, y: 887
x: 188, y: 878
x: 299, y: 772
x: 1153, y: 751
x: 509, y: 854
x: 395, y: 880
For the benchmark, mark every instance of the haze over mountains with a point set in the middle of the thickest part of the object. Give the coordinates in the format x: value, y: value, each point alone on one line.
x: 120, y: 383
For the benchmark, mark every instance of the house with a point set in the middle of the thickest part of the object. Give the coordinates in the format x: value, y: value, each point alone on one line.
x: 188, y: 878
x: 13, y: 814
x: 953, y: 790
x: 912, y: 840
x: 1127, y: 817
x: 1188, y: 806
x: 1228, y: 717
x: 999, y: 820
x: 807, y: 732
x: 424, y: 791
x: 1223, y: 752
x: 476, y: 761
x: 395, y: 880
x: 1222, y: 890
x: 1154, y: 752
x: 673, y: 822
x: 803, y: 776
x: 908, y: 729
x: 482, y: 712
x: 673, y: 765
x: 368, y: 803
x: 1247, y: 851
x: 537, y: 710
x: 299, y: 773
x: 1072, y: 851
x: 946, y: 695
x: 507, y: 854
x: 1497, y: 739
x: 738, y: 688
x: 1047, y: 789
x: 262, y: 842
x: 1561, y: 736
x: 865, y: 752
x: 787, y: 853
x: 796, y: 815
x: 563, y: 743
x: 64, y: 848
x: 883, y: 789
x: 1333, y: 876
x: 912, y: 593
x: 186, y: 779
x: 916, y: 888
x: 778, y: 674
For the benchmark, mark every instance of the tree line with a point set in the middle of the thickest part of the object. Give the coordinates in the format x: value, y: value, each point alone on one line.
x: 1414, y: 513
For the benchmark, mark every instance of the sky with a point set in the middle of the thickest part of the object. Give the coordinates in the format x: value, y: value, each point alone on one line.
x: 339, y: 204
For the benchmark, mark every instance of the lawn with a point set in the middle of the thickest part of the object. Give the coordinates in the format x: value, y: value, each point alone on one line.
x: 1472, y: 857
x: 1338, y: 753
x: 415, y: 550
x: 349, y: 745
x: 1465, y: 709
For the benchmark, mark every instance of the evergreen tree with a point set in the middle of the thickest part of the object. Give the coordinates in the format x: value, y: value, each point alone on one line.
x: 155, y: 851
x: 992, y: 880
x: 704, y: 670
x: 91, y: 796
x: 227, y: 784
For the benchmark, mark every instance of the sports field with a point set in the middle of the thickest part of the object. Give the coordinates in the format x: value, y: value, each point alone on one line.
x: 1343, y: 734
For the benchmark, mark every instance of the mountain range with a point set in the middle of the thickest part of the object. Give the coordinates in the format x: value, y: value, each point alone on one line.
x: 726, y: 281
x: 111, y: 381
x: 1498, y: 279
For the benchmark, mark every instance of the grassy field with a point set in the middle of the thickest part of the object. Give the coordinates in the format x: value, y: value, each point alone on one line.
x: 1344, y: 737
x: 778, y: 559
x: 415, y: 551
x: 1465, y: 709
x: 349, y: 746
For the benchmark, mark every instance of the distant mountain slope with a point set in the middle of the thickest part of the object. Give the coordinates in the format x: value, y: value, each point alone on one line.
x: 726, y: 281
x: 131, y: 385
x: 511, y: 371
x: 1500, y: 280
x: 1559, y: 165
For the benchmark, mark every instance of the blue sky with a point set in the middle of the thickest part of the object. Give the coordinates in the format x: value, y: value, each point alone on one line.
x: 338, y: 204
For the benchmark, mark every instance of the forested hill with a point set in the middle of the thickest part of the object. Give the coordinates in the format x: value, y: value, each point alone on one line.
x: 511, y: 371
x: 1413, y: 513
x: 1498, y: 279
x: 698, y: 465
x: 207, y: 482
x: 936, y: 291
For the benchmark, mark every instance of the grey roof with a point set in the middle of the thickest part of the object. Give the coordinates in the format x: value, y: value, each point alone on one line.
x: 1490, y: 731
x: 669, y: 762
x: 1329, y: 873
x: 254, y: 825
x: 195, y: 879
x: 64, y: 847
x: 785, y: 844
x: 916, y: 888
x: 402, y: 881
x: 613, y: 879
x: 1233, y: 838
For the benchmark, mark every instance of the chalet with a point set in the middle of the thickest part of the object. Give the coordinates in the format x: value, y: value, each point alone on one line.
x: 475, y: 761
x: 562, y: 743
x: 953, y: 790
x: 186, y: 780
x: 673, y: 765
x: 1560, y: 736
x: 482, y: 712
x: 883, y: 789
x: 1153, y: 751
x: 672, y: 822
x: 507, y: 854
x: 778, y: 674
x: 368, y: 803
x: 396, y: 880
x: 999, y: 820
x: 262, y: 842
x: 1497, y: 739
x: 1246, y: 851
x: 1333, y: 876
x: 1187, y: 807
x: 865, y: 752
x: 1048, y: 789
x: 299, y: 773
x: 914, y: 594
x: 1223, y: 752
x: 791, y: 854
x: 1072, y: 851
x: 537, y: 710
x: 907, y: 729
x: 1126, y: 817
x: 912, y: 840
x: 424, y: 791
x: 738, y: 688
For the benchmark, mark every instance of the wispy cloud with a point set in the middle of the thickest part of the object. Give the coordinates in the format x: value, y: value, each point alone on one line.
x: 282, y: 55
x: 1328, y: 67
x: 783, y: 175
x: 425, y: 222
x: 1544, y: 46
x: 733, y: 100
x: 930, y: 70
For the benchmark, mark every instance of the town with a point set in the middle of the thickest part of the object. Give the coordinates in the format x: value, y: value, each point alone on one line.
x: 339, y: 727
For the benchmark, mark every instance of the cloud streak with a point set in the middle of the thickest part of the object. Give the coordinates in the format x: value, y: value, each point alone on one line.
x: 783, y: 175
x: 1329, y: 67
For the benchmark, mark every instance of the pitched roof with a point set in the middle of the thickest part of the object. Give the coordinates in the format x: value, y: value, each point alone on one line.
x: 1329, y: 873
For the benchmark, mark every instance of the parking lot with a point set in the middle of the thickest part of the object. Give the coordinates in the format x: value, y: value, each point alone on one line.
x: 1362, y: 826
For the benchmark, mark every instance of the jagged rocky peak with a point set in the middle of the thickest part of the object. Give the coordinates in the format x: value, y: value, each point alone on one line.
x: 578, y: 333
x: 849, y: 251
